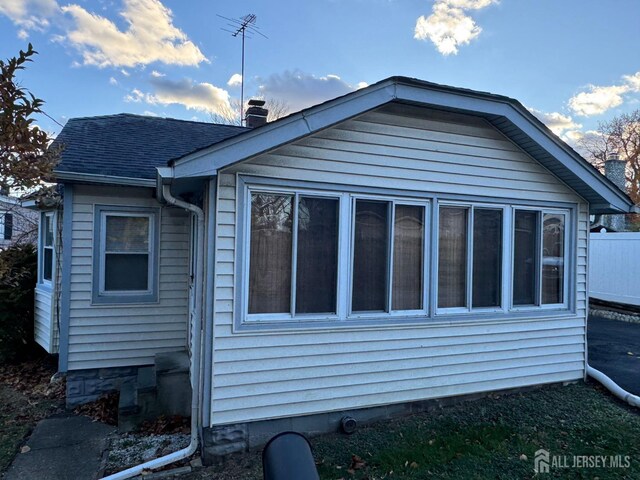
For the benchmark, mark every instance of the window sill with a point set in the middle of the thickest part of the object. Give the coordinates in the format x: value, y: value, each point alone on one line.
x: 124, y: 300
x: 389, y: 322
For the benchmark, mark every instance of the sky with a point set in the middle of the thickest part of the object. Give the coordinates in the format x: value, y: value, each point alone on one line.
x: 573, y: 63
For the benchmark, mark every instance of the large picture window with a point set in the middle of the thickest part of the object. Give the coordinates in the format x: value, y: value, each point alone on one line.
x: 126, y: 258
x: 316, y: 255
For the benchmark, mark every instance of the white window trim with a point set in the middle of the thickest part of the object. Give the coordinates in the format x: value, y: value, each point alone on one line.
x: 290, y: 316
x: 505, y: 269
x: 344, y: 316
x: 125, y: 297
x: 2, y: 214
x: 389, y: 312
x: 566, y: 260
x: 41, y: 247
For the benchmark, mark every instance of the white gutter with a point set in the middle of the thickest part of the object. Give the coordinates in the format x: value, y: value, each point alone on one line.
x: 196, y: 345
x: 613, y: 387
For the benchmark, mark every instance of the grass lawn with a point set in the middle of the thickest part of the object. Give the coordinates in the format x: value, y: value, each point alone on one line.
x: 25, y: 398
x: 494, y: 437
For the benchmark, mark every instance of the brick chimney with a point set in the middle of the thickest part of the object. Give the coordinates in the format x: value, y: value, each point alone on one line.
x: 614, y: 170
x: 256, y: 115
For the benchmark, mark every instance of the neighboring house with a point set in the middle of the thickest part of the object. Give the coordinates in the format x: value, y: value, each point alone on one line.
x: 17, y: 224
x: 404, y: 242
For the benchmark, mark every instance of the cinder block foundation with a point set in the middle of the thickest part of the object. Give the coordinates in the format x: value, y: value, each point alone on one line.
x: 85, y: 386
x: 219, y: 441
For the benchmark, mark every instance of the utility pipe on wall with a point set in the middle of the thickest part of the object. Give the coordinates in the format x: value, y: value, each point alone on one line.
x: 196, y: 346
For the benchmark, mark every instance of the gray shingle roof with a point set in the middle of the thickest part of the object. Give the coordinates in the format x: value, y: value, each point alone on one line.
x: 127, y: 145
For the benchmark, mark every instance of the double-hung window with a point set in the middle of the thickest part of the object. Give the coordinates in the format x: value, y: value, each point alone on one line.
x: 539, y: 258
x: 470, y: 258
x: 6, y: 225
x: 125, y: 260
x: 47, y: 253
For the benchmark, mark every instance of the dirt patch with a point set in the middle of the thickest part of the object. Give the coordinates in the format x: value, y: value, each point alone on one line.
x: 104, y: 410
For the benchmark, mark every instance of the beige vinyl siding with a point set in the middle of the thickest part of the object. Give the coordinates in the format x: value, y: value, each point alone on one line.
x: 124, y: 335
x: 267, y: 374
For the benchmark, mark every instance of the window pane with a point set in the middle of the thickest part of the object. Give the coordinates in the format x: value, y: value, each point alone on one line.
x: 48, y: 230
x: 47, y: 263
x: 487, y: 257
x: 129, y: 272
x: 270, y: 253
x: 553, y: 258
x: 408, y: 241
x: 525, y: 257
x: 127, y: 234
x: 317, y: 263
x: 452, y: 257
x: 371, y: 256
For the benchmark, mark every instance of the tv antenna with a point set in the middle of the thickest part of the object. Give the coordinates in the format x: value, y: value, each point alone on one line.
x: 245, y: 27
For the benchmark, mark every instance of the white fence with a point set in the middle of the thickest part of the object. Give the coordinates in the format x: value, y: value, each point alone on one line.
x: 614, y: 267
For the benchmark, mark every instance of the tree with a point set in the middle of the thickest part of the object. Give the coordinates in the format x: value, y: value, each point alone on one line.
x: 620, y: 135
x: 26, y: 159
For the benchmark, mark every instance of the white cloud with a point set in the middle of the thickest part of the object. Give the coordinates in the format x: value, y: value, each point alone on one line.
x: 149, y: 113
x: 150, y: 37
x: 124, y: 72
x: 136, y: 96
x: 203, y: 97
x: 449, y: 26
x: 300, y: 90
x: 597, y: 100
x: 235, y: 80
x: 558, y: 123
x: 633, y: 81
x: 29, y: 14
x: 157, y: 74
x: 113, y: 81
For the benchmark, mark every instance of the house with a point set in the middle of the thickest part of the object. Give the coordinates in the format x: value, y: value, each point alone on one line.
x: 17, y: 224
x: 405, y: 242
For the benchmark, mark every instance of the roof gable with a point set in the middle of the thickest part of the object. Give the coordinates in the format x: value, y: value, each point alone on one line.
x: 507, y: 115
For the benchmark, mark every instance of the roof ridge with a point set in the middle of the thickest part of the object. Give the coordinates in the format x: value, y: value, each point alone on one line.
x: 151, y: 117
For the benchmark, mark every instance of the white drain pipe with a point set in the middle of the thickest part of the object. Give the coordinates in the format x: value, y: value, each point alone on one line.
x: 196, y: 344
x: 613, y: 387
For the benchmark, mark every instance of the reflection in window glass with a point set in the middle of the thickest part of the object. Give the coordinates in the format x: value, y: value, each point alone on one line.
x: 452, y: 257
x: 317, y: 256
x: 487, y: 257
x: 371, y: 256
x: 553, y: 258
x: 408, y: 262
x: 525, y: 257
x: 270, y: 253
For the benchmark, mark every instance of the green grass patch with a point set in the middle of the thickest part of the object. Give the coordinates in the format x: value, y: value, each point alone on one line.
x: 495, y: 437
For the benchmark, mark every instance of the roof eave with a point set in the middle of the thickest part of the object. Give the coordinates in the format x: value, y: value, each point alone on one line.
x: 273, y: 135
x: 77, y: 177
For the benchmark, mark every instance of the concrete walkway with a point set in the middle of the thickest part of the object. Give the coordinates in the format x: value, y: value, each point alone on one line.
x: 61, y: 448
x: 610, y: 342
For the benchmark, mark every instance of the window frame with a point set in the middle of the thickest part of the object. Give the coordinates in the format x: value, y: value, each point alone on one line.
x: 392, y: 202
x: 245, y: 184
x: 291, y: 316
x: 99, y: 294
x: 567, y: 238
x: 504, y: 267
x: 42, y: 236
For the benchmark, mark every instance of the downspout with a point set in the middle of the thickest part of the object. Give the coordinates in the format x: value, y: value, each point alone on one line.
x: 613, y: 387
x: 196, y: 344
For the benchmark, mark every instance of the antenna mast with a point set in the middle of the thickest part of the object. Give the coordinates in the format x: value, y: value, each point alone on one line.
x: 245, y: 27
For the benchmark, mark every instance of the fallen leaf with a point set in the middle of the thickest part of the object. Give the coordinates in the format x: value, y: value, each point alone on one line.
x: 25, y: 449
x: 630, y: 353
x: 413, y: 465
x: 523, y: 457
